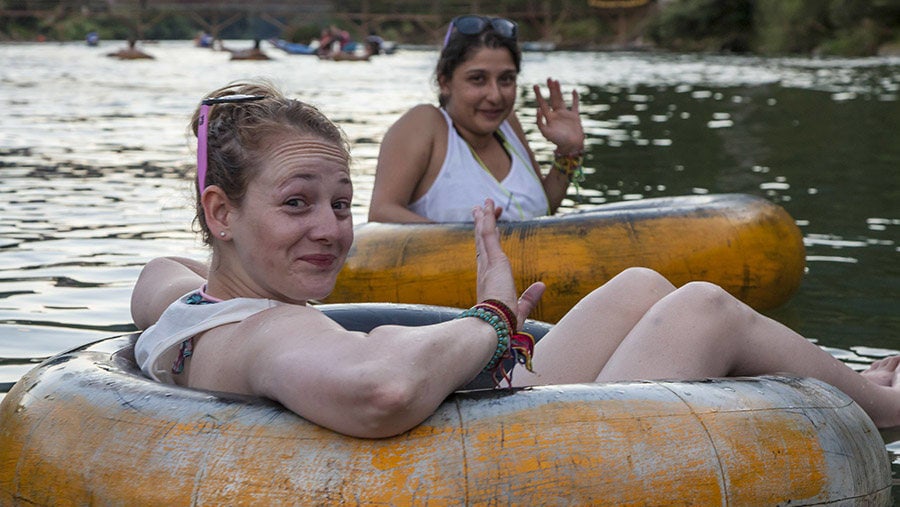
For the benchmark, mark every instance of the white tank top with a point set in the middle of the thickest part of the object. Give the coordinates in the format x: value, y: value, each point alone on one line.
x: 464, y: 183
x: 158, y: 346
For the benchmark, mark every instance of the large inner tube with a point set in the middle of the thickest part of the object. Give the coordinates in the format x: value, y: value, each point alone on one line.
x: 86, y: 427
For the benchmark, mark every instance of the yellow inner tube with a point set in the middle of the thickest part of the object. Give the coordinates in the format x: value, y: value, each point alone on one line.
x: 85, y: 427
x: 748, y: 245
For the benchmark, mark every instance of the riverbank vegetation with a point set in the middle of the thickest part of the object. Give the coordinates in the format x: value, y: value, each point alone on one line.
x: 772, y: 27
x: 766, y: 27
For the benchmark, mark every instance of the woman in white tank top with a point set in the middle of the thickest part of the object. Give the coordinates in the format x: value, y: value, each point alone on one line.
x: 464, y: 182
x: 436, y: 163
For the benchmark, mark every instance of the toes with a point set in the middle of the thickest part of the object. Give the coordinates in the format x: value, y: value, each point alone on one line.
x: 890, y: 363
x: 887, y: 363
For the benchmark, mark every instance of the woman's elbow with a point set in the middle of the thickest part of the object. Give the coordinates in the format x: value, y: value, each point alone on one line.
x: 376, y: 214
x: 389, y: 409
x: 141, y: 297
x: 385, y: 213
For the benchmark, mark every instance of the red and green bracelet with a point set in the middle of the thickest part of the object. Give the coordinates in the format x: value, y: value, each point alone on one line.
x: 571, y: 165
x: 510, y: 343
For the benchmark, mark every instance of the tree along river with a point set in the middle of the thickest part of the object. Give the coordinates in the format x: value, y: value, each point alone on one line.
x: 95, y: 167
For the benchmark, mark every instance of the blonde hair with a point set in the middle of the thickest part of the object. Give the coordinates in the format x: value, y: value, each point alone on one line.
x: 237, y: 132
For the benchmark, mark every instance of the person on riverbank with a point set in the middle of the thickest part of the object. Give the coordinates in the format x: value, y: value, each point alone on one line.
x: 273, y: 202
x: 436, y: 163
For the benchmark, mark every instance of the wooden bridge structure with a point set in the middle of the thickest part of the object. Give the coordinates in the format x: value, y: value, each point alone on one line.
x: 541, y: 19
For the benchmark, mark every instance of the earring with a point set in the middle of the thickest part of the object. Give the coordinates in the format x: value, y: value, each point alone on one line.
x: 222, y: 234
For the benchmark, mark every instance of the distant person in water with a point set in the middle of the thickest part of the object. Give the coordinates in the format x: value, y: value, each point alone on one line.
x: 370, y: 49
x: 374, y: 43
x: 204, y: 40
x: 333, y: 41
x: 131, y: 52
x: 273, y: 199
x: 437, y: 162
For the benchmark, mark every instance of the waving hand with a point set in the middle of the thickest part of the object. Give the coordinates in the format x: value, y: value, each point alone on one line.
x: 557, y: 122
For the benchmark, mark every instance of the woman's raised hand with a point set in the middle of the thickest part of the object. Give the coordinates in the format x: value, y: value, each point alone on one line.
x: 560, y: 124
x: 495, y: 279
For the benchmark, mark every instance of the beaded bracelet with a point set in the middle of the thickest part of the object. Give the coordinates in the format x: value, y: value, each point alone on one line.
x: 499, y: 322
x: 571, y: 165
x: 501, y: 307
x: 518, y: 346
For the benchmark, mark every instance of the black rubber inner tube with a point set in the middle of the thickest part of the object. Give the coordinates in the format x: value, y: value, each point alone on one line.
x: 366, y: 316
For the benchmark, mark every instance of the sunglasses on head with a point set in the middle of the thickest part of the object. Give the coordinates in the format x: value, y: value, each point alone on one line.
x: 474, y: 25
x: 202, y: 124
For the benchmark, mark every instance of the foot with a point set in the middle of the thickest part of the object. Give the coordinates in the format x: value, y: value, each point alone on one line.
x: 884, y: 372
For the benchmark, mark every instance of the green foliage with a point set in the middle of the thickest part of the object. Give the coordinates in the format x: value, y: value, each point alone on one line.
x: 585, y: 29
x: 848, y: 14
x: 20, y: 29
x: 836, y: 27
x: 710, y: 25
x: 75, y: 28
x: 839, y: 27
x: 790, y: 26
x: 171, y: 27
x: 302, y: 32
x: 862, y: 39
x: 407, y: 32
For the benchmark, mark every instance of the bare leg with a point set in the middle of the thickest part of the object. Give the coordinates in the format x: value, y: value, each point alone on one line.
x: 702, y: 331
x: 578, y: 346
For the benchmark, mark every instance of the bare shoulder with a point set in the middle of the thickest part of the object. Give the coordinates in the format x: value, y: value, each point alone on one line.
x: 418, y: 117
x: 406, y: 151
x: 427, y: 111
x: 287, y: 320
x: 162, y: 281
x: 287, y: 330
x: 235, y: 356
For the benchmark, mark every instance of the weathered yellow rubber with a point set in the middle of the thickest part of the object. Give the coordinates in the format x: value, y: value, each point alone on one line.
x: 85, y: 429
x: 746, y: 244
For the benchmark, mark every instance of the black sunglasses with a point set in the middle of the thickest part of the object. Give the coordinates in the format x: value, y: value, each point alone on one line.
x: 474, y: 25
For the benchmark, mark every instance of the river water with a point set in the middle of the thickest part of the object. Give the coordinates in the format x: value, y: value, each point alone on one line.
x: 95, y: 163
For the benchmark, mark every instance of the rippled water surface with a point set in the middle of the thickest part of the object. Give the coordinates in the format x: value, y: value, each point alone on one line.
x: 95, y: 161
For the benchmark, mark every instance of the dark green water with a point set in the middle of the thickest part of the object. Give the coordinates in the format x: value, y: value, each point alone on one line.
x: 833, y: 164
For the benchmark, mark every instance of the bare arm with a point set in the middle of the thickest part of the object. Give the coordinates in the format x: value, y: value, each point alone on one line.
x: 382, y: 383
x: 162, y: 281
x: 560, y: 125
x: 403, y: 162
x: 365, y: 385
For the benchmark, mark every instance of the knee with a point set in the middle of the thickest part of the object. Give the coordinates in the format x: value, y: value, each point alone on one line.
x: 643, y: 280
x: 706, y: 300
x: 705, y: 293
x: 634, y: 289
